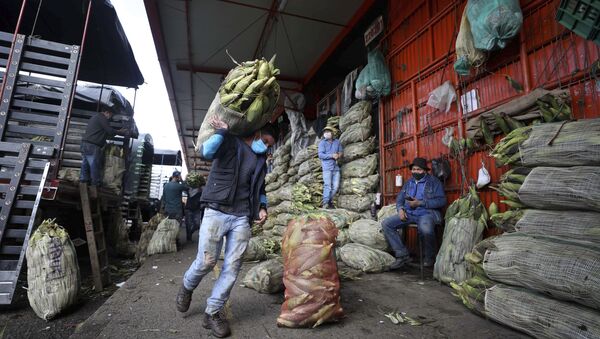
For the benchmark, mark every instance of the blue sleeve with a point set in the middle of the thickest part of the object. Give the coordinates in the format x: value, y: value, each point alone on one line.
x: 322, y: 154
x: 439, y: 196
x: 210, y: 147
x: 400, y: 198
x: 263, y: 199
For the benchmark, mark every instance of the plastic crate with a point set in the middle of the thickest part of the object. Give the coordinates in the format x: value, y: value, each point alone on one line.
x: 581, y: 17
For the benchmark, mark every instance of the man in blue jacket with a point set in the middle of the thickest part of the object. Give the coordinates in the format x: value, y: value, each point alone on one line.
x: 419, y: 202
x: 330, y: 150
x: 234, y: 196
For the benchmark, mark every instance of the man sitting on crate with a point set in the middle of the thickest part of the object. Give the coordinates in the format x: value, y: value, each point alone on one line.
x: 92, y: 147
x: 419, y: 202
x: 234, y: 196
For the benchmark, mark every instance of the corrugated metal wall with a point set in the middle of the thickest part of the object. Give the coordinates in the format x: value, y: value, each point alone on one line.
x: 421, y: 38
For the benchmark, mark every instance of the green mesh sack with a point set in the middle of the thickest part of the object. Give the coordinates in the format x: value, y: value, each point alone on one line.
x: 360, y: 168
x: 358, y: 150
x: 357, y: 132
x: 374, y: 80
x: 357, y: 113
x: 494, y: 22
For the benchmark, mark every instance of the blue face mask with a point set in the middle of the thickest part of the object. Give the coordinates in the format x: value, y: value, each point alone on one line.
x: 259, y: 147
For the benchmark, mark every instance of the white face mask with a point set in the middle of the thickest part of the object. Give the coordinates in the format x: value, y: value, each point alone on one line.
x: 327, y: 135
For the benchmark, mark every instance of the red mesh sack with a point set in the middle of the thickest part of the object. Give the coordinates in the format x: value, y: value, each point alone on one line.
x: 312, y: 284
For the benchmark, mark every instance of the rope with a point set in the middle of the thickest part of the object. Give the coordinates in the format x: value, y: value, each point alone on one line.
x: 36, y: 17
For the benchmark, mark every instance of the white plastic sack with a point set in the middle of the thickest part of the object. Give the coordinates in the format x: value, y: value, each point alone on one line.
x: 483, y: 177
x: 442, y: 97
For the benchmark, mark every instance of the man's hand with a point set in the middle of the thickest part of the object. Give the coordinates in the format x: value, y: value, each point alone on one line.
x: 262, y: 216
x: 335, y: 156
x: 217, y: 123
x: 402, y: 214
x: 414, y: 203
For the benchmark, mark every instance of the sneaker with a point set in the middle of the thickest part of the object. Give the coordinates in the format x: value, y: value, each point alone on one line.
x: 400, y: 262
x: 205, y: 322
x: 331, y: 206
x: 218, y: 324
x: 183, y: 300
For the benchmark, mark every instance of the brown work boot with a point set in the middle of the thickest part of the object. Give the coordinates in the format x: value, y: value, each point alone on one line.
x: 183, y: 300
x: 218, y: 324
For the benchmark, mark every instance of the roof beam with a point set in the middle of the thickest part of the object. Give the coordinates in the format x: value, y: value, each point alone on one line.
x: 285, y: 13
x: 224, y: 71
x: 338, y: 39
x: 267, y: 28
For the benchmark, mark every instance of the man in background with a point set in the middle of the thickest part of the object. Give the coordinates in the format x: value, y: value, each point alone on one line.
x: 92, y: 147
x: 330, y: 150
x: 172, y: 194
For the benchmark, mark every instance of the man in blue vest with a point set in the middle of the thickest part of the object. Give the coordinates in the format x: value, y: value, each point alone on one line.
x: 234, y: 196
x: 419, y: 202
x: 330, y: 150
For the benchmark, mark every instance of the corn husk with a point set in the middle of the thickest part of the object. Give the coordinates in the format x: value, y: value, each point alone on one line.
x: 52, y: 271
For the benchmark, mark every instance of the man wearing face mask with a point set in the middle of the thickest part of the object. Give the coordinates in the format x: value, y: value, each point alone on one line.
x: 330, y: 150
x: 419, y: 202
x: 234, y: 196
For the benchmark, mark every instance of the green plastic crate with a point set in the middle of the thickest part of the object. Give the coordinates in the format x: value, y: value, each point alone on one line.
x: 581, y: 17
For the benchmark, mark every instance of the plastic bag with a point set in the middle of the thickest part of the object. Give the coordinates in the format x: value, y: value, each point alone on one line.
x: 494, y: 22
x: 442, y: 97
x: 294, y: 105
x: 467, y: 55
x: 484, y: 176
x: 374, y: 80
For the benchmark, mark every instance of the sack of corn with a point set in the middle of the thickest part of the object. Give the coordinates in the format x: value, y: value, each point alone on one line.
x: 466, y: 218
x: 278, y: 230
x: 283, y: 207
x: 282, y: 160
x: 309, y: 152
x: 540, y: 316
x: 312, y: 177
x: 369, y: 233
x: 280, y: 170
x: 195, y: 179
x: 343, y: 238
x: 360, y: 186
x: 125, y: 248
x: 356, y: 203
x: 553, y: 188
x: 467, y: 56
x: 340, y: 217
x: 360, y: 168
x: 270, y: 223
x: 312, y: 286
x: 266, y: 277
x: 146, y: 236
x: 246, y: 99
x: 357, y: 132
x: 576, y: 225
x: 284, y: 193
x: 284, y: 218
x: 114, y: 168
x: 52, y: 270
x: 164, y: 238
x: 309, y: 166
x: 506, y: 221
x: 566, y: 270
x: 284, y: 150
x: 69, y: 174
x: 358, y: 150
x: 386, y: 212
x: 270, y: 178
x: 292, y: 171
x: 273, y: 186
x: 357, y: 113
x: 365, y: 258
x: 256, y: 250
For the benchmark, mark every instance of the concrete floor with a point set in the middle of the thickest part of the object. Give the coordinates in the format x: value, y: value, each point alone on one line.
x: 144, y: 307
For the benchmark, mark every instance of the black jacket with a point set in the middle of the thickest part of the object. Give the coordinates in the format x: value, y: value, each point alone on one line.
x: 225, y: 152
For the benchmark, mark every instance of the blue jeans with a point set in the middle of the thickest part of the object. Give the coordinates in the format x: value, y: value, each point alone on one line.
x: 216, y: 225
x: 425, y: 228
x: 91, y: 164
x: 331, y: 184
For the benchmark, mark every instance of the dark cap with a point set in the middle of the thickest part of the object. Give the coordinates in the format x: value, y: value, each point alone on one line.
x: 176, y: 174
x: 420, y: 162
